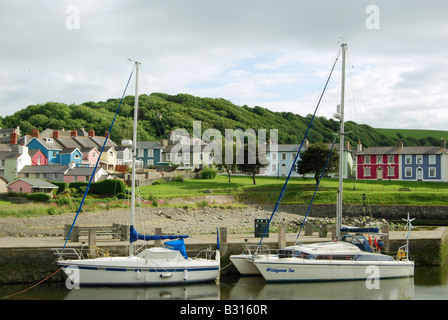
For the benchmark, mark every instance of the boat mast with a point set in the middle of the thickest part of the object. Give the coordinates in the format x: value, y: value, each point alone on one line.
x: 134, y: 154
x: 341, y: 148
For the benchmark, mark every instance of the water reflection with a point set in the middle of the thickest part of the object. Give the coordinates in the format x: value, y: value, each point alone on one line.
x: 257, y: 289
x: 203, y: 291
x: 428, y: 284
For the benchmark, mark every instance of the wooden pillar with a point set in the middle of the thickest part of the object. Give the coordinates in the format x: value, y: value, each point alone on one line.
x: 333, y: 232
x: 308, y: 229
x: 323, y: 231
x: 92, y: 243
x: 281, y: 237
x: 223, y: 240
x: 158, y: 232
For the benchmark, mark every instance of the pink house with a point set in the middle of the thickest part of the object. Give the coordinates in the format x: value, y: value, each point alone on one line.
x: 37, y: 157
x: 27, y: 185
x: 90, y: 156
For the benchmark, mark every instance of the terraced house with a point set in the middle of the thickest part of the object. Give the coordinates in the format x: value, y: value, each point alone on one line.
x: 420, y: 163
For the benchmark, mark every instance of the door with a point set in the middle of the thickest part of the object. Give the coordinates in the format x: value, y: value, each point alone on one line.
x: 419, y: 174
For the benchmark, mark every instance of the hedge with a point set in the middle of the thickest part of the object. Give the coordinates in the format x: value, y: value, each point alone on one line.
x: 38, y: 197
x: 61, y: 185
x: 105, y: 187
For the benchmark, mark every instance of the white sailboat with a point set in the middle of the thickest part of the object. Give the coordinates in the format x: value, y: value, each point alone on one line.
x: 350, y: 257
x: 154, y: 266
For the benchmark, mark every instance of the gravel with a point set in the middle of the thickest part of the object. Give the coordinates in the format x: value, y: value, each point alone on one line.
x: 188, y: 220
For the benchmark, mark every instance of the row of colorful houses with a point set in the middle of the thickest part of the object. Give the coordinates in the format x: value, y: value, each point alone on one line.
x: 59, y: 155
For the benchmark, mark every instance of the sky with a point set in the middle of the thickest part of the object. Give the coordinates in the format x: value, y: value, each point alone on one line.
x: 276, y: 54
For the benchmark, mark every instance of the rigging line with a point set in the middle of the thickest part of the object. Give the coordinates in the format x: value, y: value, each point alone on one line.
x: 98, y: 160
x: 298, y: 152
x: 317, y: 186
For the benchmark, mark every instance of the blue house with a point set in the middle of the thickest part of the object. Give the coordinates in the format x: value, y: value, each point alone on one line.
x: 49, y: 147
x: 55, y: 152
x: 422, y: 163
x: 149, y: 153
x: 67, y: 156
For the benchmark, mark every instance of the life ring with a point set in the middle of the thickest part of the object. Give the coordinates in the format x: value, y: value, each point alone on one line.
x: 401, y: 255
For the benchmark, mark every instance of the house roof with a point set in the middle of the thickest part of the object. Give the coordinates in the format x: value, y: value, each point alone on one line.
x: 36, y: 183
x: 45, y: 169
x: 82, y: 171
x: 9, y: 155
x: 403, y: 150
x: 148, y: 145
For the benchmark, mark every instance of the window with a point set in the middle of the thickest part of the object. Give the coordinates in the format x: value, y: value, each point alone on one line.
x: 390, y: 171
x: 408, y: 172
x: 432, y: 172
x: 168, y: 157
x: 55, y: 175
x: 140, y: 152
x: 151, y: 153
x: 294, y: 155
x: 367, y: 159
x: 391, y: 159
x: 187, y: 157
x: 419, y: 159
x: 432, y: 159
x: 366, y: 172
x: 408, y: 159
x: 379, y: 159
x: 274, y: 168
x: 274, y: 156
x: 283, y: 156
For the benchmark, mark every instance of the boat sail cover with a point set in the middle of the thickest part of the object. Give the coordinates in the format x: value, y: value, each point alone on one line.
x: 134, y: 236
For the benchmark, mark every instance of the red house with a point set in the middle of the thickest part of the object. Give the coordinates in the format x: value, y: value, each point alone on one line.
x: 378, y: 163
x: 37, y: 157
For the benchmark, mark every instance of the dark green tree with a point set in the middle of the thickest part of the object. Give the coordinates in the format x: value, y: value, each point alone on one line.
x: 314, y: 158
x: 253, y: 161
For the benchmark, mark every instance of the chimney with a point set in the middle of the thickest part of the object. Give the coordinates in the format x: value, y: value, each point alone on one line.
x: 74, y: 133
x: 35, y: 133
x: 13, y: 137
x: 56, y: 134
x: 400, y: 144
x: 359, y: 147
x: 443, y: 143
x: 91, y: 133
x: 106, y: 134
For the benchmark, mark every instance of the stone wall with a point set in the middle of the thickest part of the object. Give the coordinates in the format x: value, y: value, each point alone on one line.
x: 377, y: 211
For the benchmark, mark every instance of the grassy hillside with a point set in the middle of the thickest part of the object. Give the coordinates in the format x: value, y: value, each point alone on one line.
x: 415, y: 137
x: 160, y: 113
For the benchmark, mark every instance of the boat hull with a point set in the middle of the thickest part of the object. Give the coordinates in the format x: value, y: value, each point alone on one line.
x: 245, y: 265
x: 296, y: 269
x: 137, y: 271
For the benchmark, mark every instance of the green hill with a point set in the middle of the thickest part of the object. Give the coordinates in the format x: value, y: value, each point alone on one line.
x: 416, y: 137
x: 160, y: 113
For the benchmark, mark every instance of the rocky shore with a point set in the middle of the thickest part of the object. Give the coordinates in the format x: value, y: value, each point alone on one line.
x: 172, y: 220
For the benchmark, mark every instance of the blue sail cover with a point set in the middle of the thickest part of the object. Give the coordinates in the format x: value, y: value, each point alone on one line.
x: 134, y: 236
x: 178, y: 245
x: 360, y: 230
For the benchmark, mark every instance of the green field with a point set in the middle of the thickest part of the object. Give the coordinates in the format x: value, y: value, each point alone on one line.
x: 413, y: 133
x: 300, y: 190
x: 266, y: 191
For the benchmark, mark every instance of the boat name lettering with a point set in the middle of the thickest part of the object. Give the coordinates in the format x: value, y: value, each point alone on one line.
x: 276, y: 270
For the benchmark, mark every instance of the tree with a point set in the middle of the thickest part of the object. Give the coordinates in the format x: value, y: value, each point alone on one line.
x: 314, y: 158
x: 253, y: 162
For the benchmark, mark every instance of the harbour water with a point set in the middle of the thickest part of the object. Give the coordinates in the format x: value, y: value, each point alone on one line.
x: 428, y: 284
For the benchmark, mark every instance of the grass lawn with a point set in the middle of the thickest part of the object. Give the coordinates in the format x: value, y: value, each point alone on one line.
x: 301, y: 190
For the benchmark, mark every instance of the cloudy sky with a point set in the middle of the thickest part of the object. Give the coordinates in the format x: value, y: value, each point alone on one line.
x: 271, y: 53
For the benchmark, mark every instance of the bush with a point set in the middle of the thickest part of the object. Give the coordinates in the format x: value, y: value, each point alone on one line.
x: 61, y: 185
x: 38, y: 197
x: 105, y: 187
x: 209, y: 173
x: 161, y: 181
x: 179, y: 178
